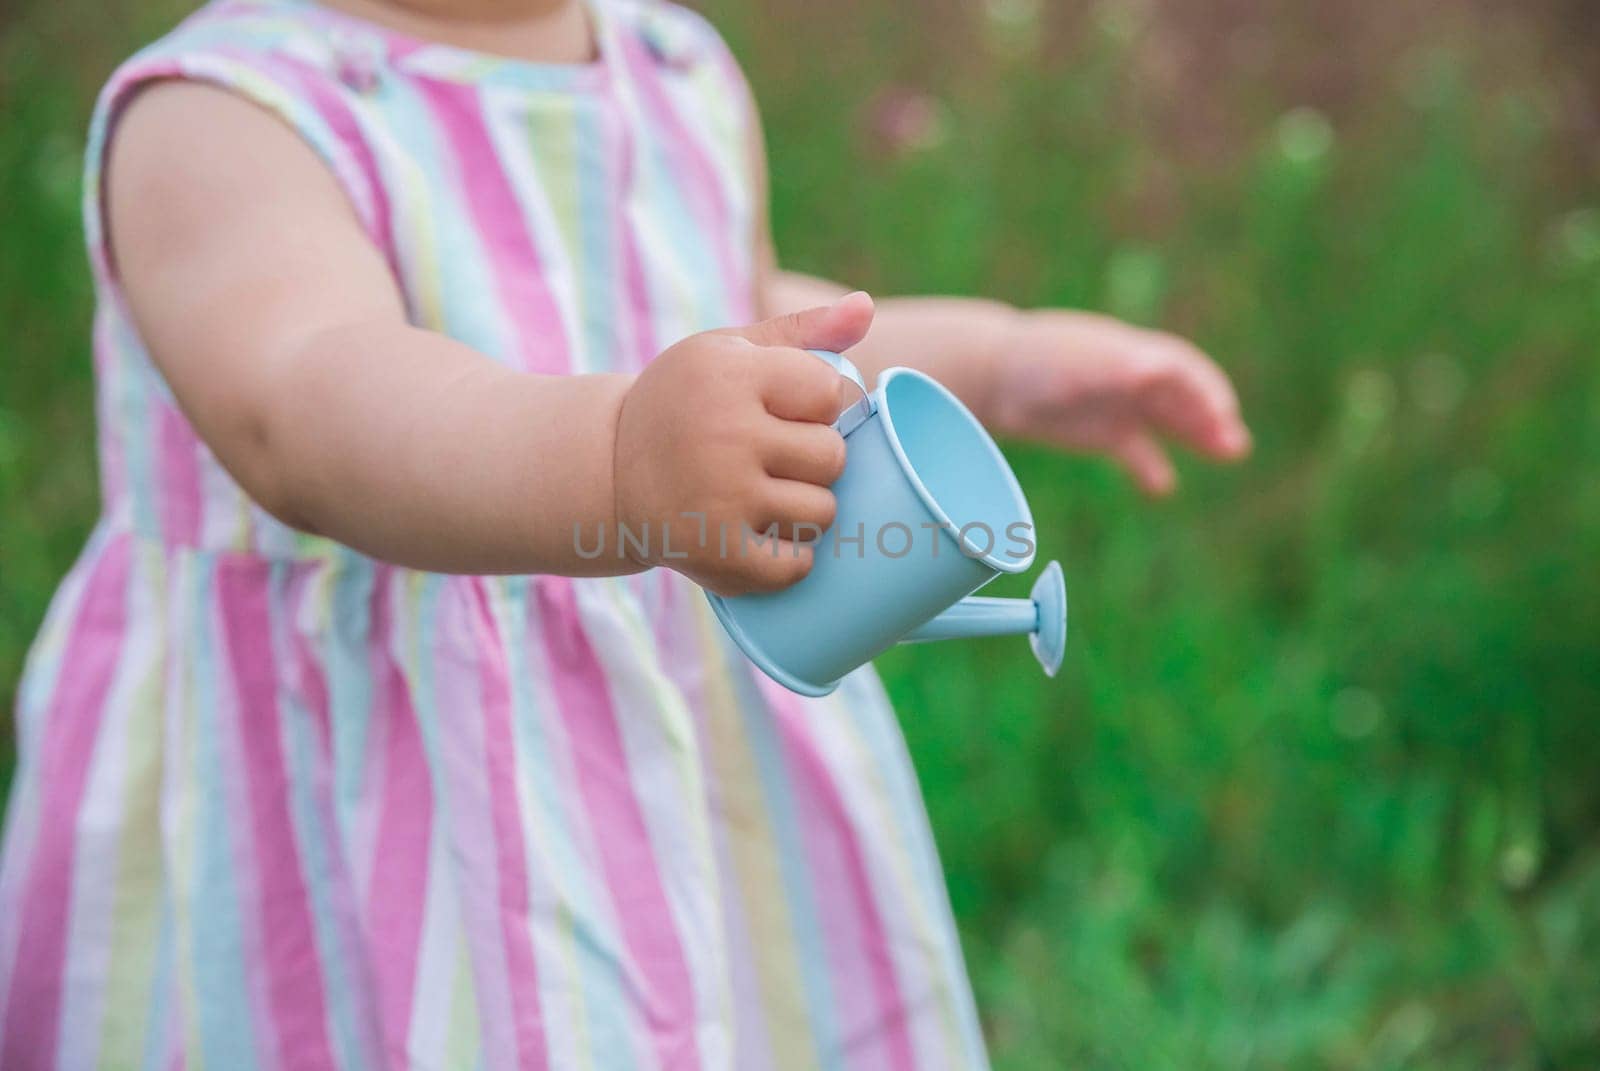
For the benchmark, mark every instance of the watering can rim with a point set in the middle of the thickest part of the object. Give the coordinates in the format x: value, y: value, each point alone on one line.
x: 993, y: 560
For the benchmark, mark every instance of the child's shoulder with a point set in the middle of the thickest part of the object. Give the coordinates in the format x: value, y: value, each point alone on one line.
x: 273, y: 54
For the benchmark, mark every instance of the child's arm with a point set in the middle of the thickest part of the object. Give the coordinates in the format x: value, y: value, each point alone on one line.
x: 1075, y: 380
x: 281, y: 331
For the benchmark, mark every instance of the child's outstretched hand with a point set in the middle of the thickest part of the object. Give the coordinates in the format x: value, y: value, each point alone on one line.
x: 1092, y: 383
x: 1075, y: 380
x: 729, y: 433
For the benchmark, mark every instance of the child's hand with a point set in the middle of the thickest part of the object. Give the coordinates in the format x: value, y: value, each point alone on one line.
x: 729, y: 433
x: 1092, y: 383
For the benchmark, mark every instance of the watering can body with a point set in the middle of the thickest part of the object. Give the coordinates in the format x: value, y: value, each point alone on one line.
x: 928, y: 513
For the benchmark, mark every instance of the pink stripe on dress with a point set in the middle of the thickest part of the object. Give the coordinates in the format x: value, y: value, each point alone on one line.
x: 449, y: 698
x: 856, y: 929
x: 180, y: 479
x: 634, y: 286
x: 287, y: 940
x: 70, y: 729
x: 700, y: 182
x: 112, y: 451
x: 344, y: 125
x: 499, y: 745
x: 398, y: 893
x: 540, y: 344
x: 311, y: 683
x: 657, y: 970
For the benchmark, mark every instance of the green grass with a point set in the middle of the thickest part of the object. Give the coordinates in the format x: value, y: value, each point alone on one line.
x: 1318, y: 784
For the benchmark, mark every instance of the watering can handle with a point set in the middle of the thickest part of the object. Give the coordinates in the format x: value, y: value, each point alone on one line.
x: 858, y: 414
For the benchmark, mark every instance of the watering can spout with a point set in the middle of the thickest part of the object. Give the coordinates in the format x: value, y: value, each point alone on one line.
x: 1042, y: 617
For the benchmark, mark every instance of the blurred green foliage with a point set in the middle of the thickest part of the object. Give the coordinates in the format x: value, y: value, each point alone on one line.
x: 1320, y: 783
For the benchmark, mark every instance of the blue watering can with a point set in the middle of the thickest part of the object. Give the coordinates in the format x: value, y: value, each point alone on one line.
x: 928, y: 512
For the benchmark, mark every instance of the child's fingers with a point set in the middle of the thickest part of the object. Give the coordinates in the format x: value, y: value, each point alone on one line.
x: 763, y: 566
x: 799, y: 511
x: 1174, y: 404
x: 1147, y: 463
x: 1187, y: 396
x: 834, y: 327
x: 795, y: 385
x: 811, y: 453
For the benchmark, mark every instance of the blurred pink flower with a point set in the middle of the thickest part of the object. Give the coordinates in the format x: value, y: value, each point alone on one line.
x: 901, y: 121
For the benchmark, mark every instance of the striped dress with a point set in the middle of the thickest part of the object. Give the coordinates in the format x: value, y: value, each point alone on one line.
x: 280, y: 805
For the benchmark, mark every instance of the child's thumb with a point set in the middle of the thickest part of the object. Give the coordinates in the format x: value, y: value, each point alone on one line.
x: 834, y: 327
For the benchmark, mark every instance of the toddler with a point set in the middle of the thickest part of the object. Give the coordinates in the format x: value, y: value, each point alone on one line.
x: 335, y: 751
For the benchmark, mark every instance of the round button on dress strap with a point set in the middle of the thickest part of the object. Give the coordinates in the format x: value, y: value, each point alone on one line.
x: 358, y: 63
